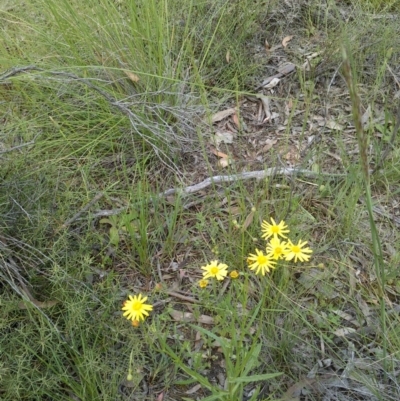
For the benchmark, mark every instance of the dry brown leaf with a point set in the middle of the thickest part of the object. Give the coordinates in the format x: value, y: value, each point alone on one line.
x: 267, y: 46
x: 219, y: 154
x: 224, y: 162
x: 248, y: 221
x: 133, y: 77
x: 269, y: 143
x: 286, y: 40
x: 235, y: 119
x: 222, y: 114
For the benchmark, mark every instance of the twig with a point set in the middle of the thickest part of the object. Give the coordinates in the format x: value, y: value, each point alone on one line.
x: 259, y: 174
x: 83, y: 210
x: 182, y: 297
x: 17, y: 147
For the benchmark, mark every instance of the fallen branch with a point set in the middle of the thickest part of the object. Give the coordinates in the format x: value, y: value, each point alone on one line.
x: 259, y: 174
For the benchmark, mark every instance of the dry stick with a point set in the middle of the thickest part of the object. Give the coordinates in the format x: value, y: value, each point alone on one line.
x: 83, y: 210
x: 259, y: 174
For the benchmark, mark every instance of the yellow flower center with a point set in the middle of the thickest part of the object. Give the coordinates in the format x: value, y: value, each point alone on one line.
x: 136, y: 305
x: 261, y: 259
x: 278, y: 250
x: 275, y: 229
x: 296, y: 249
x: 214, y: 270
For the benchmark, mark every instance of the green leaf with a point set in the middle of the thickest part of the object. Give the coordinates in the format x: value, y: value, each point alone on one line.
x: 255, y: 378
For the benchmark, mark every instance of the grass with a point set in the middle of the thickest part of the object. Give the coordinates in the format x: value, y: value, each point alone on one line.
x: 115, y: 109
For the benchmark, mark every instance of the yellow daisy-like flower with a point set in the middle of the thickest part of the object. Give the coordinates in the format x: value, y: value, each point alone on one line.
x: 298, y: 251
x: 135, y: 308
x: 234, y: 274
x: 260, y: 262
x: 276, y: 248
x: 215, y: 269
x: 203, y: 283
x: 274, y: 229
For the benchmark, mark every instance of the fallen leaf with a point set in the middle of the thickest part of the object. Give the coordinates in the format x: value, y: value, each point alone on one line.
x: 194, y: 389
x: 267, y: 46
x: 286, y: 68
x: 265, y: 103
x: 269, y: 143
x: 222, y: 137
x: 344, y: 331
x: 222, y: 114
x: 133, y: 77
x: 224, y: 162
x: 248, y: 221
x: 286, y: 40
x: 205, y: 319
x: 180, y: 316
x: 333, y: 125
x: 345, y: 316
x: 228, y: 57
x: 272, y: 84
x: 219, y: 154
x: 235, y: 119
x: 268, y: 80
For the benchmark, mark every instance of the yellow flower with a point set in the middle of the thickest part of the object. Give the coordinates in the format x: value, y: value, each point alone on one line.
x: 274, y: 230
x: 276, y: 248
x: 234, y: 274
x: 260, y: 263
x: 203, y: 283
x: 135, y: 308
x: 215, y: 269
x: 297, y: 252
